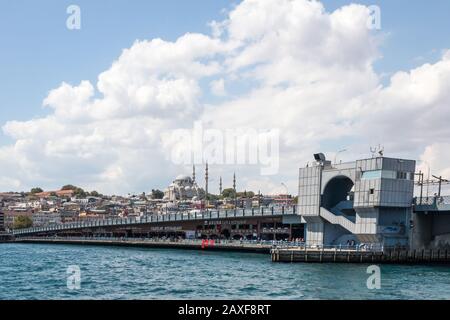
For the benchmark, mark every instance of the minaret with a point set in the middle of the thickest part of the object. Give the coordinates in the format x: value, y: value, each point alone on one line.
x: 234, y: 188
x: 259, y: 198
x: 234, y: 182
x: 220, y: 185
x: 193, y: 173
x: 206, y: 183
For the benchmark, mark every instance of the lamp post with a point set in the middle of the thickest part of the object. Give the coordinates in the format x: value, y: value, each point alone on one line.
x: 287, y: 191
x: 287, y: 194
x: 420, y: 175
x: 337, y: 153
x: 428, y: 176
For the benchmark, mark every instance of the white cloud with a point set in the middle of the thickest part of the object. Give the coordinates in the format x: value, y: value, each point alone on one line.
x: 297, y: 68
x: 218, y: 87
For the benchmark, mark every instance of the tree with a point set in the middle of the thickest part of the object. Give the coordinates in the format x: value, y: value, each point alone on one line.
x: 157, y: 194
x: 80, y: 192
x: 77, y: 191
x: 213, y: 197
x: 36, y: 190
x: 22, y: 222
x: 69, y: 187
x: 246, y: 194
x: 228, y: 193
x: 95, y: 194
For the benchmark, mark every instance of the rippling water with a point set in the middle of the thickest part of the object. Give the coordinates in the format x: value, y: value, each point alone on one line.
x: 39, y: 272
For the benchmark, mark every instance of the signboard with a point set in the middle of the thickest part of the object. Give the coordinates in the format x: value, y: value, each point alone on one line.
x: 190, y: 234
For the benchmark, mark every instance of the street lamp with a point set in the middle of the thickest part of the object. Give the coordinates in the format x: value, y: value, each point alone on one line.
x: 337, y: 153
x: 428, y: 177
x: 287, y: 191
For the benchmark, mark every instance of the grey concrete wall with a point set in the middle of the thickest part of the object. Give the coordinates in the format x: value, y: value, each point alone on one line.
x: 367, y: 221
x: 309, y: 191
x: 421, y: 233
x: 431, y: 231
x: 314, y: 231
x: 440, y: 224
x: 383, y: 191
x: 393, y: 216
x: 332, y: 232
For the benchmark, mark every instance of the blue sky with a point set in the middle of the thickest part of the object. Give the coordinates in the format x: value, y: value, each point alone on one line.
x: 38, y: 52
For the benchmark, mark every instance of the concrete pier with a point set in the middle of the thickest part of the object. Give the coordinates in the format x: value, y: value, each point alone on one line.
x: 208, y: 245
x: 355, y: 256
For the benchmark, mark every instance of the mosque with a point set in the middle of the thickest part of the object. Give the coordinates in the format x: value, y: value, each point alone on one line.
x: 184, y: 188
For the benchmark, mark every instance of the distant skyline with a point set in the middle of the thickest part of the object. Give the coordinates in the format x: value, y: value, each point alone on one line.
x: 76, y: 108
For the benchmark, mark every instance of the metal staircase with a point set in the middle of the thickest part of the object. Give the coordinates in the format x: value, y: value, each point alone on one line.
x: 338, y: 219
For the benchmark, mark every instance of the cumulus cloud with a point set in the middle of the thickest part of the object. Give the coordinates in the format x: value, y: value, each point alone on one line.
x: 218, y: 87
x: 287, y: 65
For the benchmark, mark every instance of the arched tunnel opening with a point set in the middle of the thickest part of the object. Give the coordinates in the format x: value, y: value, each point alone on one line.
x: 337, y: 196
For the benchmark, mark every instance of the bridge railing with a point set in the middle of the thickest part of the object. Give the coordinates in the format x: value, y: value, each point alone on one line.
x: 432, y: 201
x: 275, y: 244
x: 181, y: 216
x: 372, y: 247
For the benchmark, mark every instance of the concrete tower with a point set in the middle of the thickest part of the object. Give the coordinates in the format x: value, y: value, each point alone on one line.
x: 368, y: 201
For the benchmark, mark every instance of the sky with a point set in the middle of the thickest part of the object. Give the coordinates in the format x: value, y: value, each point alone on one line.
x: 98, y: 107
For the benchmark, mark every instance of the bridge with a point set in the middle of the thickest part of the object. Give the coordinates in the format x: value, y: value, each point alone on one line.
x: 432, y: 204
x: 282, y: 213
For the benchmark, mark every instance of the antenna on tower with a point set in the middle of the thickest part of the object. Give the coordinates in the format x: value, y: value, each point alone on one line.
x: 193, y: 173
x: 373, y: 150
x: 220, y: 185
x: 377, y: 149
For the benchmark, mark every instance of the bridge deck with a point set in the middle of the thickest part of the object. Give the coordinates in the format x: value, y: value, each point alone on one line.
x: 153, y: 219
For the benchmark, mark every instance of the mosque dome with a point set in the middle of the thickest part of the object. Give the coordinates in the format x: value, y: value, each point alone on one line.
x: 182, y: 177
